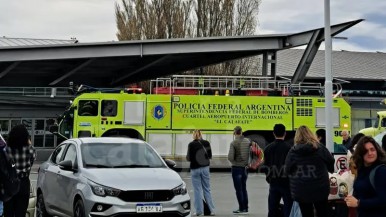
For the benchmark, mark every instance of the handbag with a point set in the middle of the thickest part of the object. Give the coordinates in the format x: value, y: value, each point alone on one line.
x: 206, y: 153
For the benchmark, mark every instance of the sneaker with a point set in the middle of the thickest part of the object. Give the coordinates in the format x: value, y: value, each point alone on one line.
x: 240, y: 212
x: 244, y: 212
x: 198, y: 214
x: 212, y: 214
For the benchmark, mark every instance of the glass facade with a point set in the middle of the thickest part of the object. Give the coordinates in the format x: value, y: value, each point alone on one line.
x: 38, y: 128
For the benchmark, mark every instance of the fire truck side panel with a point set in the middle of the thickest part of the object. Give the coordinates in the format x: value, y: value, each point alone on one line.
x: 174, y: 143
x: 128, y: 117
x: 158, y: 114
x: 310, y: 111
x: 223, y: 113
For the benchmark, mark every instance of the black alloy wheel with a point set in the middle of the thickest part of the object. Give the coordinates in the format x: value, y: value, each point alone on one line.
x: 79, y: 209
x: 41, y: 208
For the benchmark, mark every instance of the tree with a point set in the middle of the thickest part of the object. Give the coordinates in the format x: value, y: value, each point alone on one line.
x: 155, y: 19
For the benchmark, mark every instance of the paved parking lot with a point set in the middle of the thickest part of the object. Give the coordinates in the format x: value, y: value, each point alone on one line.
x: 224, y: 195
x: 223, y: 192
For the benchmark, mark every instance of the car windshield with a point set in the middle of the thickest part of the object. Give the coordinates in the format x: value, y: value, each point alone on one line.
x: 119, y: 155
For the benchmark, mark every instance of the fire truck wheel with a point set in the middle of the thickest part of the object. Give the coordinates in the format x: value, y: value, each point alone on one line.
x: 260, y: 140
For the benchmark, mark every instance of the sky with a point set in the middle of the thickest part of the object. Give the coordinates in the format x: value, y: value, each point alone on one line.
x: 94, y: 20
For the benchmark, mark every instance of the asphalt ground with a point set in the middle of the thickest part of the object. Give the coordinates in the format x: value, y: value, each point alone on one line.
x: 223, y: 192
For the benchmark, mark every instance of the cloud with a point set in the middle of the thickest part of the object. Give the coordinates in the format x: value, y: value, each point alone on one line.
x: 87, y: 20
x: 282, y: 16
x: 94, y: 20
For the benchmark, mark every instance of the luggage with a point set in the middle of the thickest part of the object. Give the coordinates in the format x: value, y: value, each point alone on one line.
x: 256, y: 156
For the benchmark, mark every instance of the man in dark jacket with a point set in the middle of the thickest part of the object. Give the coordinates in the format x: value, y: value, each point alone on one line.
x: 275, y: 155
x: 346, y: 139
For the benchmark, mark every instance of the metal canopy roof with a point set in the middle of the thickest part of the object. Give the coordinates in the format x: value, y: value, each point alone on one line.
x: 114, y: 64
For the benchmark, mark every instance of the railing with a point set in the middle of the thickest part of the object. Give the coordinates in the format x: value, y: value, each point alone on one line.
x: 36, y: 91
x: 235, y: 83
x: 230, y: 83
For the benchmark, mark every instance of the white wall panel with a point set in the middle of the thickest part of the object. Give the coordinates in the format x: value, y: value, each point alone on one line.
x: 161, y: 142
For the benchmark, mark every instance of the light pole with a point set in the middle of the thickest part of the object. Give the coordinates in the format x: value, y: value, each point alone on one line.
x: 328, y: 74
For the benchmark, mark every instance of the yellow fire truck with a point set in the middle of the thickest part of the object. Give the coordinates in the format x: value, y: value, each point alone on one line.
x: 179, y: 104
x: 379, y: 125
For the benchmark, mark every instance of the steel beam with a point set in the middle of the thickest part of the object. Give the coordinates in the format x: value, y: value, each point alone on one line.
x: 71, y: 72
x: 139, y: 70
x: 8, y: 69
x: 307, y: 58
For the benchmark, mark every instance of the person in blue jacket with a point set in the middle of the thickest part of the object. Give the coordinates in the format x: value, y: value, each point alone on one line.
x: 369, y: 197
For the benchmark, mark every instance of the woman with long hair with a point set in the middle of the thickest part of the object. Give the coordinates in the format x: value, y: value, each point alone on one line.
x: 23, y: 154
x: 199, y: 155
x: 307, y: 165
x: 369, y: 196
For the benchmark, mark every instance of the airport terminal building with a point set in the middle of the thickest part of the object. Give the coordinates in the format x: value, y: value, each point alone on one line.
x: 361, y: 74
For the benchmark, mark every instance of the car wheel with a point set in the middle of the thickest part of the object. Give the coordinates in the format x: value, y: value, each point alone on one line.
x: 41, y: 208
x: 79, y: 209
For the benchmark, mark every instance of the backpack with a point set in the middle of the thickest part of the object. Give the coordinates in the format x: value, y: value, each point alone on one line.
x: 372, y: 175
x: 256, y: 156
x: 9, y: 180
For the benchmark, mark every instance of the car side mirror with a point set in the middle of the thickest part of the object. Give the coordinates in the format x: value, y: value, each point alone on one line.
x: 67, y: 165
x: 170, y: 163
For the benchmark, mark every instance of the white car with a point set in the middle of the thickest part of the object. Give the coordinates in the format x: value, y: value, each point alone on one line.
x: 378, y: 138
x: 109, y: 177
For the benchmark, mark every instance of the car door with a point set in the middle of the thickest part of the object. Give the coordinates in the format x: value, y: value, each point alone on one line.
x: 50, y: 187
x: 67, y: 180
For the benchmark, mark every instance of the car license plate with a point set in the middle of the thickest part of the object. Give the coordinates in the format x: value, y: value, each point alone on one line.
x: 149, y: 207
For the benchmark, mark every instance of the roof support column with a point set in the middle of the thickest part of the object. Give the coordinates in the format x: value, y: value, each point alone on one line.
x: 269, y: 62
x: 308, y: 56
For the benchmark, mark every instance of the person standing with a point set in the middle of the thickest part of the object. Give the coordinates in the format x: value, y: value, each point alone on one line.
x: 199, y: 155
x: 354, y: 141
x: 238, y: 156
x: 321, y: 136
x: 350, y: 151
x: 346, y: 139
x: 23, y: 154
x: 2, y: 146
x: 274, y: 161
x: 369, y: 198
x: 384, y: 142
x: 307, y: 165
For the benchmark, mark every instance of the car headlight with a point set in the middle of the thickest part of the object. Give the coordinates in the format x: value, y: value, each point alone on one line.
x: 103, y: 191
x: 180, y: 190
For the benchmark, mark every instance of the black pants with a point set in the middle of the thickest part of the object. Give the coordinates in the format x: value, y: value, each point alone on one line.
x: 17, y: 206
x: 276, y: 193
x: 321, y: 208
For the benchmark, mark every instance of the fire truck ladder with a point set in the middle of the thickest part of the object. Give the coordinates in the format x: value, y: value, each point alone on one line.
x: 200, y: 83
x: 207, y: 82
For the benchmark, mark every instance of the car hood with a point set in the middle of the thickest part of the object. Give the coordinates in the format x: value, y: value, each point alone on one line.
x: 134, y: 178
